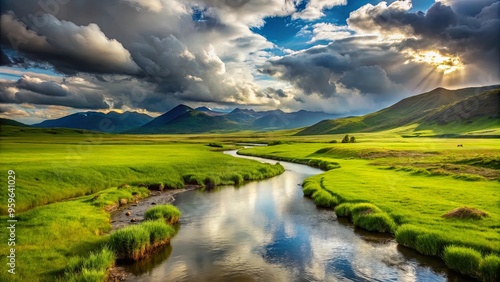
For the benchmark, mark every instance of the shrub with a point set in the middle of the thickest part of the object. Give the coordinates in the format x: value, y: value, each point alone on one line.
x: 430, y: 244
x: 352, y: 139
x: 380, y: 222
x: 489, y: 268
x: 169, y: 213
x: 334, y: 141
x: 159, y: 232
x: 346, y: 139
x: 131, y: 242
x: 462, y: 259
x: 343, y: 210
x: 324, y: 199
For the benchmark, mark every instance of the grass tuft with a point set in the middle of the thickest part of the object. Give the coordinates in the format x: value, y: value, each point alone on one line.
x: 344, y: 210
x: 430, y: 243
x: 380, y: 222
x: 159, y: 232
x: 489, y: 268
x: 407, y: 234
x: 324, y: 199
x: 130, y: 243
x: 465, y: 213
x: 462, y: 259
x: 169, y: 213
x: 91, y: 268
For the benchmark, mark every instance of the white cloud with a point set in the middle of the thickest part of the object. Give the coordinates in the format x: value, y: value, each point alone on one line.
x: 314, y: 9
x: 328, y: 32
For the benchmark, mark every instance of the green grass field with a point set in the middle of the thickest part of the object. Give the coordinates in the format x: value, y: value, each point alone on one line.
x: 64, y: 185
x: 66, y: 181
x: 410, y: 181
x: 48, y: 172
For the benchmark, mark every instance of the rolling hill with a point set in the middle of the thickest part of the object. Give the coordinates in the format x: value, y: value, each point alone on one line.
x: 111, y: 122
x: 11, y: 122
x: 434, y: 108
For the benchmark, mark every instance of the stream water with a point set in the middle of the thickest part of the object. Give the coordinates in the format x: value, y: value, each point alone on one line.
x: 268, y: 231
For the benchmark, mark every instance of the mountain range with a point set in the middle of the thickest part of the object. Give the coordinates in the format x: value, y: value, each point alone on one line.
x: 111, y: 122
x: 184, y: 119
x: 460, y: 110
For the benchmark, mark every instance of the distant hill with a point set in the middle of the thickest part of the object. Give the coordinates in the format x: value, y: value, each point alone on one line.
x: 111, y: 122
x: 184, y: 119
x: 10, y: 122
x: 422, y: 109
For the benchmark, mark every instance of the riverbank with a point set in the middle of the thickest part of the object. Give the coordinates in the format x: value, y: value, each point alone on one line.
x: 406, y: 189
x: 51, y: 229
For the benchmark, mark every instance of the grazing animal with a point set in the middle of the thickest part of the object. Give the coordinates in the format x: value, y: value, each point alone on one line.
x: 460, y: 145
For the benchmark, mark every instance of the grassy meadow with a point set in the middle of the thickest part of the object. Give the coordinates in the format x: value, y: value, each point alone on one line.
x: 383, y: 182
x: 65, y: 184
x: 405, y: 185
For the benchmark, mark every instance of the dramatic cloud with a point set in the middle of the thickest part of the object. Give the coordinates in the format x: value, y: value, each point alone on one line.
x: 153, y: 55
x: 67, y: 45
x: 471, y: 32
x: 35, y: 90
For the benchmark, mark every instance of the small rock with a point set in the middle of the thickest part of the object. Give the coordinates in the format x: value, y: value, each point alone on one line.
x: 153, y: 203
x: 134, y: 220
x: 134, y: 205
x: 128, y: 213
x: 123, y: 201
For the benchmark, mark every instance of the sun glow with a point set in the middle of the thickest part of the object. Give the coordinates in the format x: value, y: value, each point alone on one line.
x: 444, y: 63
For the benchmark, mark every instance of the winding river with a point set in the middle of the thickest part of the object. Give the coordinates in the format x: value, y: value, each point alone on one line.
x: 267, y: 231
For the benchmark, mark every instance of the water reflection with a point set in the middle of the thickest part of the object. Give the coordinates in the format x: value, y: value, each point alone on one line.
x: 267, y: 231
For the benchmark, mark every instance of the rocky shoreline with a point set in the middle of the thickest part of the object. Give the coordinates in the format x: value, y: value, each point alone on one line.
x: 133, y: 213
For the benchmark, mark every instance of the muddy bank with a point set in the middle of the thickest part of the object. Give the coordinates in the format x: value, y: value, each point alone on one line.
x: 133, y: 213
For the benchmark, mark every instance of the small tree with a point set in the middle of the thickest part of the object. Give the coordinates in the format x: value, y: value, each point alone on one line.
x: 352, y: 140
x: 346, y: 139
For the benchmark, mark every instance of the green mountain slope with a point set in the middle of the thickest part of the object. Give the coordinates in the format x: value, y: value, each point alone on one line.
x: 415, y: 109
x: 6, y: 121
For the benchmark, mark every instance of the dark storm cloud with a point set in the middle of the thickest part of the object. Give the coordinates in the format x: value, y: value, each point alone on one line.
x: 310, y: 70
x: 67, y: 46
x: 48, y: 88
x: 371, y: 79
x: 350, y: 62
x: 23, y: 92
x: 469, y: 29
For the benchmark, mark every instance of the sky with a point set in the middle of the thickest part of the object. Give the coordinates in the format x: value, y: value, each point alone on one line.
x: 346, y: 57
